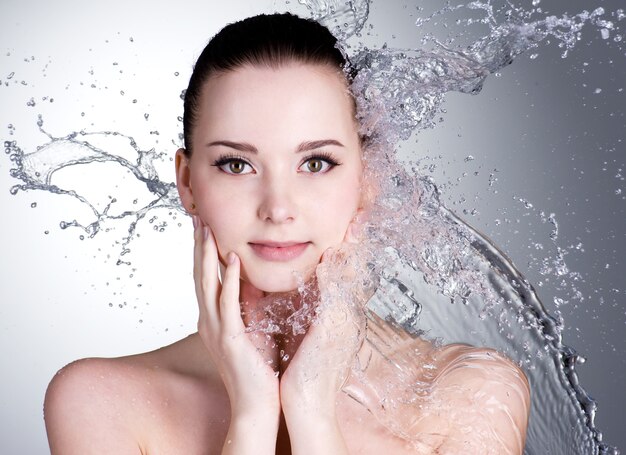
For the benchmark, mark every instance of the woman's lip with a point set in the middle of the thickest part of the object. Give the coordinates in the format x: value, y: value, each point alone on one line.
x: 278, y: 251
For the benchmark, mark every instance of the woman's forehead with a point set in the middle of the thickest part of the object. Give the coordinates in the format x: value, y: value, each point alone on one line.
x: 250, y: 84
x: 298, y: 97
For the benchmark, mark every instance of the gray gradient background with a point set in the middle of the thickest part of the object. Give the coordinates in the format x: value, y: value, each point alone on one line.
x: 554, y: 141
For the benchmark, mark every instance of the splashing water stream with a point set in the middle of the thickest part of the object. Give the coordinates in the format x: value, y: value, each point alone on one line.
x: 435, y: 277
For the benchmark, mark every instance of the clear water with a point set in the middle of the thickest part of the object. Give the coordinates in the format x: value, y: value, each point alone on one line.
x: 434, y: 275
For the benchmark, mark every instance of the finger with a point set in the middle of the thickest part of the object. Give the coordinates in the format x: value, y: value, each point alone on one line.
x: 349, y: 236
x: 197, y: 260
x: 326, y: 255
x: 230, y: 309
x: 338, y: 261
x: 207, y: 284
x: 330, y: 255
x: 210, y: 266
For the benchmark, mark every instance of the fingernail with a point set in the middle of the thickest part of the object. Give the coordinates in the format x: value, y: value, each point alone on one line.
x: 355, y: 232
x: 206, y: 232
x: 231, y: 258
x: 194, y: 219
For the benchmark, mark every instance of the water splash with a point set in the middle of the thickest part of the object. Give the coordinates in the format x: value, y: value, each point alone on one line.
x: 400, y: 91
x: 36, y: 170
x: 343, y: 19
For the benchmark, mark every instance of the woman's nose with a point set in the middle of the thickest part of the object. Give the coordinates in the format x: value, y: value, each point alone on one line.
x: 277, y: 202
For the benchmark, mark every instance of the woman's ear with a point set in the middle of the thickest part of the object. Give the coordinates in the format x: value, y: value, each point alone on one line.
x: 183, y: 181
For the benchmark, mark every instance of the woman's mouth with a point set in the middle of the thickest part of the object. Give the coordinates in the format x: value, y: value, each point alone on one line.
x: 278, y: 251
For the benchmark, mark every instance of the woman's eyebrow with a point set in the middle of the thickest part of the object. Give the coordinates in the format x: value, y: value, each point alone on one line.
x: 312, y: 145
x: 303, y: 147
x: 241, y: 146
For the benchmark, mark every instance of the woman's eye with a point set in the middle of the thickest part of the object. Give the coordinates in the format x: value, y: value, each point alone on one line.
x: 234, y: 166
x: 316, y: 165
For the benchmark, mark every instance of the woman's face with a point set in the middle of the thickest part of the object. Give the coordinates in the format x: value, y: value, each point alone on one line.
x: 276, y: 169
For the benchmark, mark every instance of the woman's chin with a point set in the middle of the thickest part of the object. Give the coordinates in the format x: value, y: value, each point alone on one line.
x: 278, y: 282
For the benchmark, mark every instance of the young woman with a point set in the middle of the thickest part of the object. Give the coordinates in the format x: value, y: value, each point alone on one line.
x: 272, y: 174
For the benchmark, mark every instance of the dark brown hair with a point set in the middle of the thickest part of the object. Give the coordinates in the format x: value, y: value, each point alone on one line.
x: 265, y: 40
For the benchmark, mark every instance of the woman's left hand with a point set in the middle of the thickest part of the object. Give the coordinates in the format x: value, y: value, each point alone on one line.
x: 322, y: 363
x: 310, y: 385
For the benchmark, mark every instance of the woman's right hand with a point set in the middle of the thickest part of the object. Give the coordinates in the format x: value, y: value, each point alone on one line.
x: 251, y: 383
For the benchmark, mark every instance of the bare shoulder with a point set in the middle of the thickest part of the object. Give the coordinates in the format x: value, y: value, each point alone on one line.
x: 485, y: 392
x: 448, y: 399
x: 139, y: 404
x: 454, y: 358
x: 81, y: 414
x: 484, y: 369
